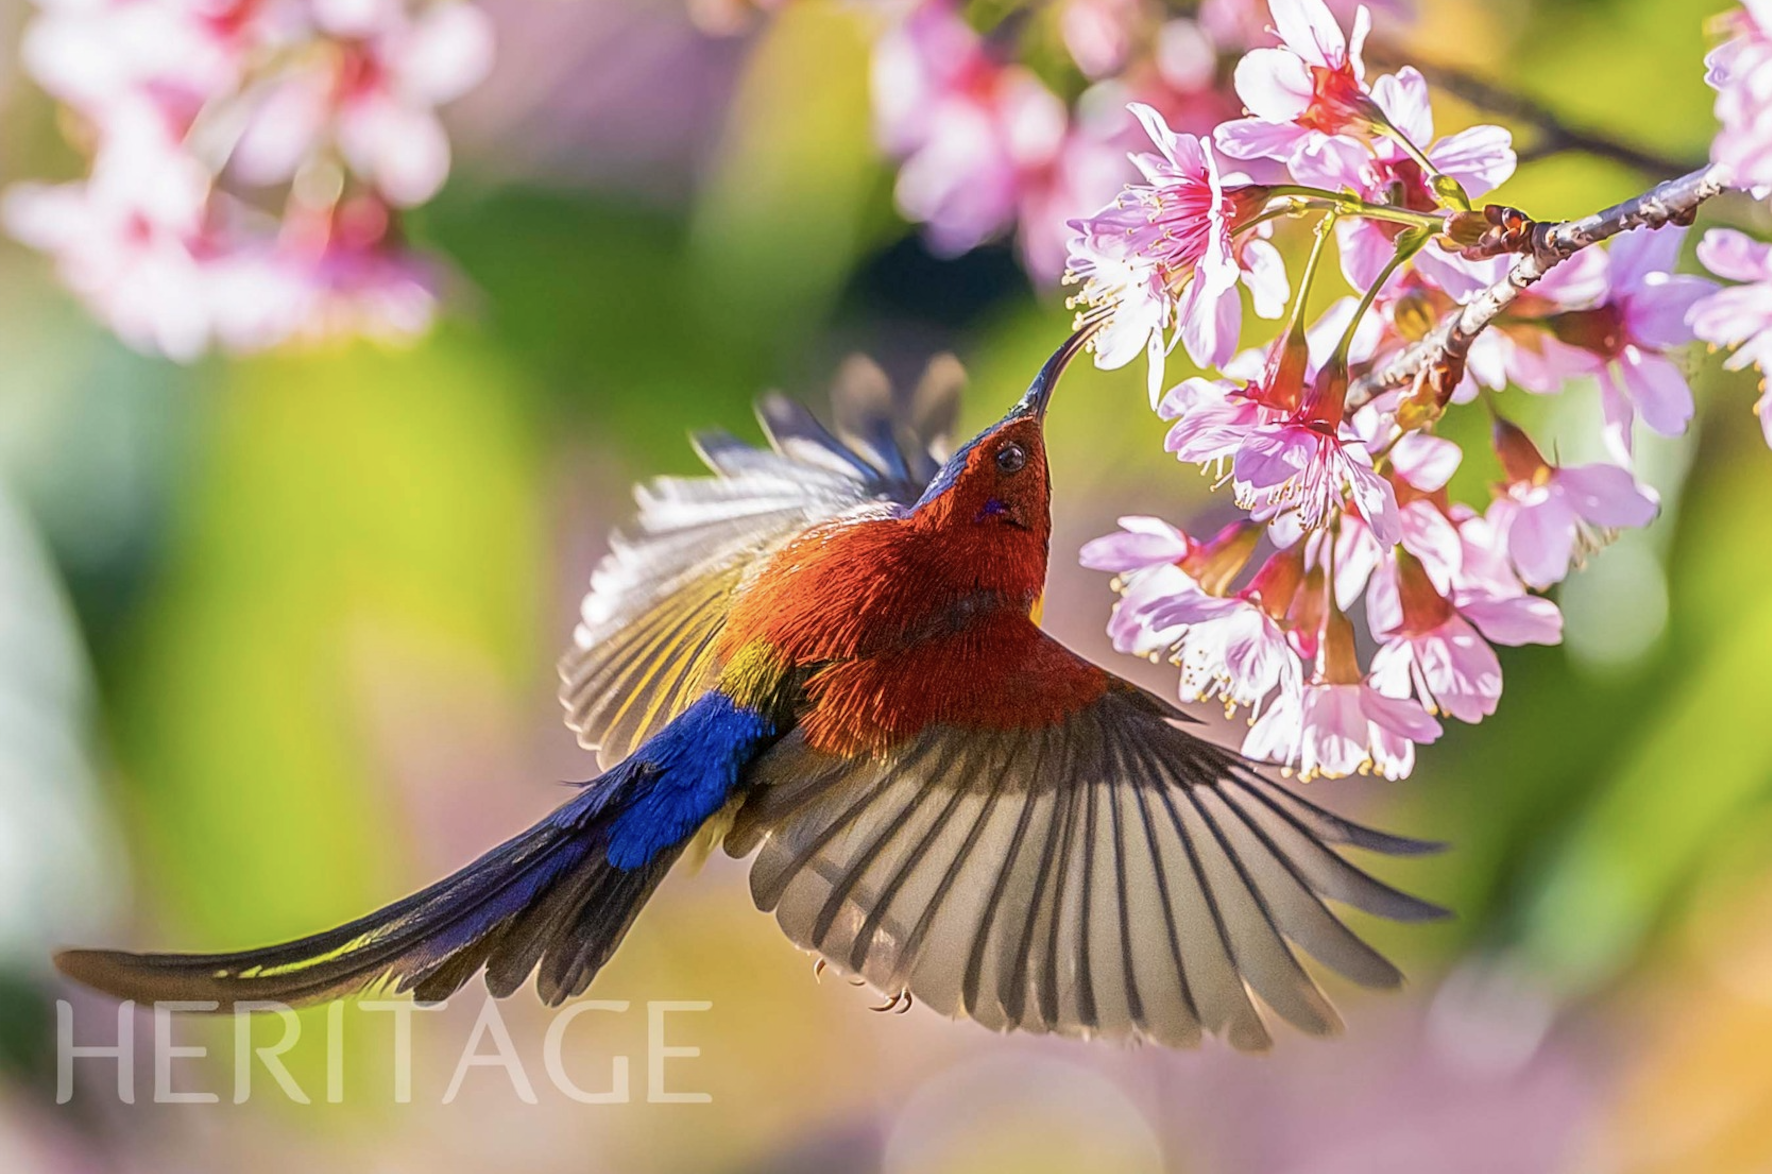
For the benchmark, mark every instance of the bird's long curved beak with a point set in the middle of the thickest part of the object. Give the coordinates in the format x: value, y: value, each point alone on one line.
x: 1039, y: 392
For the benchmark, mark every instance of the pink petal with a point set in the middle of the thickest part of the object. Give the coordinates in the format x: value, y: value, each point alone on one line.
x: 1365, y: 251
x: 1211, y: 318
x: 1309, y: 29
x: 1377, y: 502
x: 1431, y: 537
x: 1732, y: 316
x: 1264, y: 272
x: 1481, y: 158
x: 1461, y: 670
x: 1276, y: 735
x: 1193, y: 607
x: 1514, y: 620
x: 1274, y: 85
x: 1398, y: 715
x: 1541, y: 540
x: 1257, y: 138
x: 1655, y: 314
x: 1357, y: 555
x: 1183, y: 151
x: 1578, y: 283
x: 1618, y: 416
x: 1658, y: 390
x: 448, y: 53
x: 1334, y: 162
x: 1384, y: 603
x: 1735, y: 255
x: 1606, y: 495
x: 1642, y: 251
x: 1426, y: 461
x: 1404, y: 99
x: 1274, y: 454
x: 1336, y: 736
x: 1141, y: 542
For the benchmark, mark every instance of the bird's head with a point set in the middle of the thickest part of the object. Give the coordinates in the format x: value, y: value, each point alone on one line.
x: 999, y: 481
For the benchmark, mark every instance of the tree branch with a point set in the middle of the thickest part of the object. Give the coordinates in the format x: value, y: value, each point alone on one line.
x: 1553, y: 135
x: 1446, y: 345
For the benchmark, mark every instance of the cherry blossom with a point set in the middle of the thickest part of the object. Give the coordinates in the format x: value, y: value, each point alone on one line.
x: 1739, y: 316
x: 1340, y: 723
x: 247, y: 157
x: 1165, y: 253
x: 374, y: 98
x: 1547, y: 516
x: 984, y: 144
x: 1479, y: 159
x: 1643, y: 319
x: 1311, y: 88
x: 1438, y: 650
x: 1740, y: 70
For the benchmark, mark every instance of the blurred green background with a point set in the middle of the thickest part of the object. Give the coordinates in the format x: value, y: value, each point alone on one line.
x: 276, y: 645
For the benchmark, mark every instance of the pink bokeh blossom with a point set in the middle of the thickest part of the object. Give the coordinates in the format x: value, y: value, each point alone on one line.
x: 1740, y: 70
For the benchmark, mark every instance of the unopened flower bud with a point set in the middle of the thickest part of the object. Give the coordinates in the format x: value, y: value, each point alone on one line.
x: 1520, y: 459
x: 1449, y: 191
x: 1427, y: 398
x: 1466, y: 229
x: 1216, y: 563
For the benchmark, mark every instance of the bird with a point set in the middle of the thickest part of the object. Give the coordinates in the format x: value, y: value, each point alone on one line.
x: 825, y: 655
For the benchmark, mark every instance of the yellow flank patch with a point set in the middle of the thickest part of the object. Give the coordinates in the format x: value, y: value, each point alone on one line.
x: 710, y: 835
x: 754, y: 677
x: 1038, y: 610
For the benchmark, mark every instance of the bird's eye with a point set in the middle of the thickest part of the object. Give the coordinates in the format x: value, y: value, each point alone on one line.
x: 1011, y: 458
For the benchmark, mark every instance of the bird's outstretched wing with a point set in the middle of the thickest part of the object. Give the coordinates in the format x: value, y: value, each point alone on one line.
x: 1109, y: 875
x: 644, y: 648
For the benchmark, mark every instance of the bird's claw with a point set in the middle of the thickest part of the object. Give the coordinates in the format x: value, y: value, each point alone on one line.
x: 898, y: 1002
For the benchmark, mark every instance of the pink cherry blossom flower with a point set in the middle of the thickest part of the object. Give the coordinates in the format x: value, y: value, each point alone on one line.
x: 1435, y: 650
x: 1154, y: 563
x: 1740, y: 70
x: 1235, y: 648
x: 1642, y: 320
x: 1312, y: 87
x: 1624, y: 338
x: 1380, y: 171
x: 1521, y: 348
x: 1300, y: 467
x: 1230, y: 647
x: 1739, y: 316
x: 1165, y: 253
x: 1340, y: 724
x: 1099, y: 33
x: 375, y: 96
x: 1548, y: 517
x: 983, y: 143
x: 134, y: 241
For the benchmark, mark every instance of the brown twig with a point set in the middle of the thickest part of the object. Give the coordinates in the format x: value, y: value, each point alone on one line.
x: 1552, y: 134
x: 1446, y: 345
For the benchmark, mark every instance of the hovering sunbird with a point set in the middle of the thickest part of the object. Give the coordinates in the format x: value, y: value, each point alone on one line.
x: 826, y: 654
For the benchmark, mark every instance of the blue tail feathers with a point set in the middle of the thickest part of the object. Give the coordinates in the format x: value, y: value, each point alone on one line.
x: 555, y: 900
